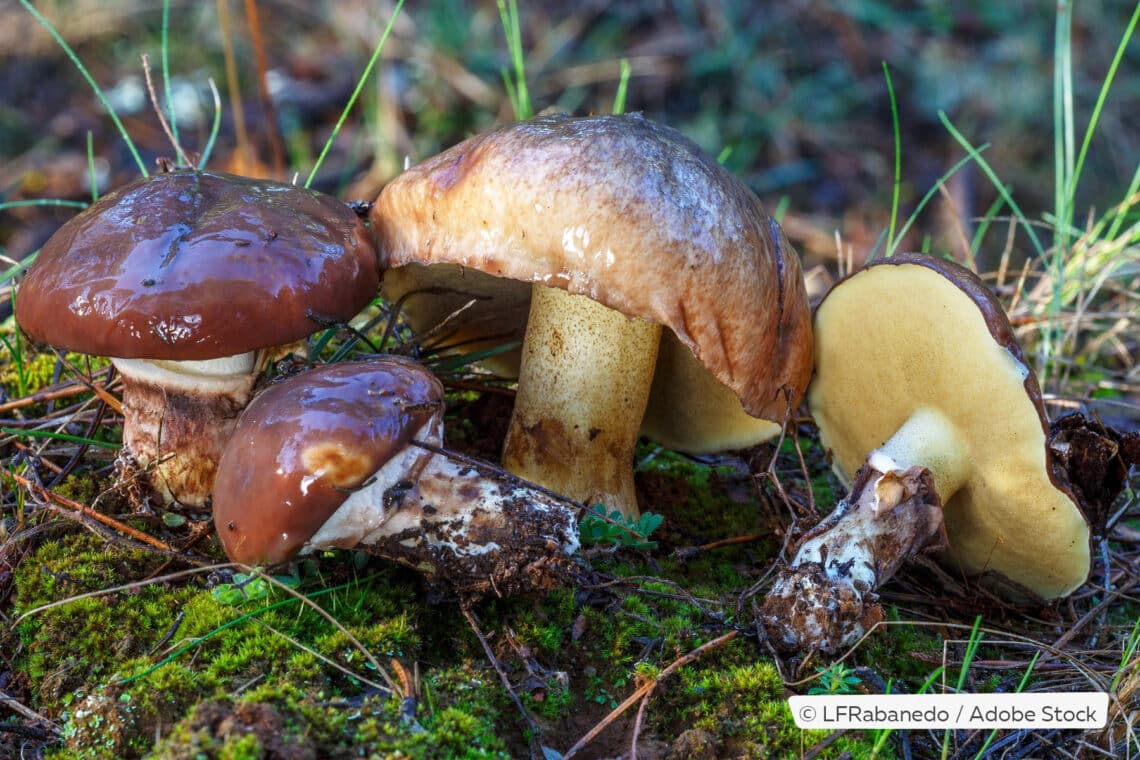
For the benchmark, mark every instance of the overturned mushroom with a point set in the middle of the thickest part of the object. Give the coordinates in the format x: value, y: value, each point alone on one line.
x: 921, y: 394
x: 184, y: 279
x: 584, y: 237
x: 348, y: 455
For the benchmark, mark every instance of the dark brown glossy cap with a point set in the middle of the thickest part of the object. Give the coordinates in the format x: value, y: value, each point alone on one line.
x: 193, y: 265
x: 306, y: 443
x: 625, y: 211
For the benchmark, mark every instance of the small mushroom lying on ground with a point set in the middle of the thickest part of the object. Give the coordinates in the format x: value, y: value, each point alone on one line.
x: 929, y: 410
x: 184, y: 279
x: 585, y: 237
x: 348, y: 455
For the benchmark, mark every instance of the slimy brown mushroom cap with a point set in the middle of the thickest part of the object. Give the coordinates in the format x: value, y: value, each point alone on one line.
x: 197, y: 265
x: 180, y: 279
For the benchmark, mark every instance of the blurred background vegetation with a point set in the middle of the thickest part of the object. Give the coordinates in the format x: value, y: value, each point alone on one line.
x: 792, y: 95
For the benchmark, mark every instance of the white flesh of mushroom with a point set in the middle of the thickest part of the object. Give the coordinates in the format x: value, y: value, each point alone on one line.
x: 427, y: 500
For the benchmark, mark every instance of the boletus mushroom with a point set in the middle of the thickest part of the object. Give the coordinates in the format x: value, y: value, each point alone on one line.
x: 651, y: 292
x: 931, y: 413
x: 350, y: 455
x: 188, y: 280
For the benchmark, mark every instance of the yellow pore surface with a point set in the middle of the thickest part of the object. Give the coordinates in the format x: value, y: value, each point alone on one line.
x: 894, y: 339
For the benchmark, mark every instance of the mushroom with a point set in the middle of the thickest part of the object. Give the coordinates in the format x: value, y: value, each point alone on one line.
x: 585, y: 237
x: 349, y: 455
x: 930, y: 411
x: 185, y: 280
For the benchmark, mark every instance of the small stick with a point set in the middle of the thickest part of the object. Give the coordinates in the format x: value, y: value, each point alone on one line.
x: 688, y: 552
x: 85, y: 511
x: 44, y: 396
x: 23, y: 447
x: 182, y: 160
x: 535, y: 749
x: 646, y: 689
x: 99, y: 391
x: 27, y: 712
x: 253, y: 21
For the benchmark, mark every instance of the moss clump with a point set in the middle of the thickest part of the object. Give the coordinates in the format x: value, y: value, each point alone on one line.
x: 115, y: 669
x: 700, y: 502
x: 893, y: 648
x: 742, y: 703
x: 450, y: 733
x: 24, y: 371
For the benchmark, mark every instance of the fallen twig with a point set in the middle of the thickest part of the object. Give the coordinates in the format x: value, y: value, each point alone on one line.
x: 20, y: 709
x: 688, y: 552
x: 535, y: 748
x: 645, y: 690
x: 86, y: 512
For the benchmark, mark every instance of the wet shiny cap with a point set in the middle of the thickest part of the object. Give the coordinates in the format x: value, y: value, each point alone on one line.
x: 305, y: 444
x: 193, y: 265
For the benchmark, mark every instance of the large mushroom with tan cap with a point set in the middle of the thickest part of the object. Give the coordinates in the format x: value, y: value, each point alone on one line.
x: 650, y: 291
x: 931, y: 413
x: 350, y: 455
x: 188, y: 280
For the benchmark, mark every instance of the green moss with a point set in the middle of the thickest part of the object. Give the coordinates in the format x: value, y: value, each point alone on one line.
x: 699, y: 501
x: 244, y: 747
x: 893, y: 648
x: 24, y: 371
x: 742, y: 703
x: 83, y: 488
x: 101, y: 668
x: 450, y: 733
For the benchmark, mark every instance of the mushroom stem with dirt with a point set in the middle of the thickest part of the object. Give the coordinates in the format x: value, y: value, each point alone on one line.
x: 649, y: 290
x: 189, y: 280
x: 930, y: 411
x: 350, y: 455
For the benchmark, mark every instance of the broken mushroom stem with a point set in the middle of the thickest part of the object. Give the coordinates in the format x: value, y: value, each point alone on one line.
x: 475, y: 529
x: 466, y: 525
x: 824, y: 600
x: 584, y: 383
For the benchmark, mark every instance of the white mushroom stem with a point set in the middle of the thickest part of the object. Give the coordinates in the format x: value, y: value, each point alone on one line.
x: 584, y: 384
x: 825, y: 598
x: 927, y: 439
x: 467, y: 523
x: 177, y: 416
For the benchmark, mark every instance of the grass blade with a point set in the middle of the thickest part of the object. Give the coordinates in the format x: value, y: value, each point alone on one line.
x: 891, y: 240
x: 516, y: 88
x: 623, y: 86
x: 166, y: 70
x: 90, y: 80
x: 1002, y: 190
x: 59, y: 437
x: 1108, y: 79
x: 355, y: 93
